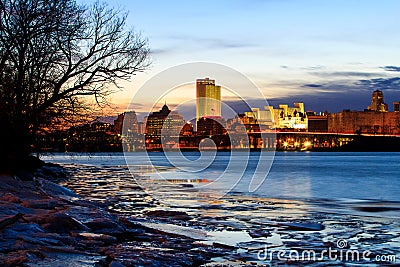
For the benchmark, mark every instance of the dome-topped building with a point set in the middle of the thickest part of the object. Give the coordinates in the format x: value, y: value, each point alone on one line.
x: 164, y: 119
x: 165, y: 109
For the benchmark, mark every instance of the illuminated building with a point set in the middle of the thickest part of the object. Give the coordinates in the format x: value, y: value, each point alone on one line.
x: 243, y: 123
x: 162, y: 126
x: 280, y: 118
x: 208, y: 126
x: 317, y: 123
x: 208, y: 99
x: 375, y: 120
x: 128, y: 120
x: 173, y: 124
x: 155, y: 121
x: 261, y: 117
x: 292, y: 118
x: 95, y: 137
x: 361, y: 122
x: 118, y: 123
x: 396, y: 106
x: 141, y: 127
x: 187, y: 129
x: 377, y: 103
x: 164, y: 122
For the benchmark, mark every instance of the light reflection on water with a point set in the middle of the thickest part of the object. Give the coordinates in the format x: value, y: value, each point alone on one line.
x: 324, y: 188
x: 373, y: 176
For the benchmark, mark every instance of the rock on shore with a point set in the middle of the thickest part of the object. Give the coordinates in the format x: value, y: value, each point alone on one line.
x: 45, y: 224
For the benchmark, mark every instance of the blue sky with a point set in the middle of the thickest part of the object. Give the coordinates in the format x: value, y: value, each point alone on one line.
x: 329, y: 54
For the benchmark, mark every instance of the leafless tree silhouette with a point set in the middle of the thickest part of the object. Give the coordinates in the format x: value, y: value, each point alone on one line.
x: 54, y: 54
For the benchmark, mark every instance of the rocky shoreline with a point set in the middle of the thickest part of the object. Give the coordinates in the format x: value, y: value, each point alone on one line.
x: 108, y: 220
x: 45, y: 224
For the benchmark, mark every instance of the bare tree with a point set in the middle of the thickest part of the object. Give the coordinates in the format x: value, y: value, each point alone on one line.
x: 53, y: 54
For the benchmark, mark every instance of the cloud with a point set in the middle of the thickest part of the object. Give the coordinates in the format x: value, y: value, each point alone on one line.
x: 312, y: 85
x: 334, y: 96
x: 158, y: 51
x: 124, y: 106
x: 222, y: 43
x: 136, y: 105
x: 336, y: 74
x: 345, y: 98
x: 391, y: 68
x: 390, y: 84
x: 317, y: 67
x: 311, y: 68
x: 215, y: 43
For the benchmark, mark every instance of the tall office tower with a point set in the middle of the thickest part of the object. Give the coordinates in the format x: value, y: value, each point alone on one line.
x: 208, y: 99
x: 377, y: 103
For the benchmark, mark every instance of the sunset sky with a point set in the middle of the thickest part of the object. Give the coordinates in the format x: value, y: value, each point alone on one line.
x: 328, y: 54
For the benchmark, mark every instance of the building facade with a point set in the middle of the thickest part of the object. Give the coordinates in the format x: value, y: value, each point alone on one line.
x: 208, y: 99
x: 126, y: 123
x: 243, y: 123
x: 317, y: 123
x: 187, y: 129
x: 262, y: 117
x: 377, y: 102
x: 164, y: 122
x: 163, y: 126
x: 364, y: 122
x: 396, y: 106
x: 283, y: 117
x: 208, y: 126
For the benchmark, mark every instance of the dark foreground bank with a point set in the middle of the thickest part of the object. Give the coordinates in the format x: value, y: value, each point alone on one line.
x: 45, y: 224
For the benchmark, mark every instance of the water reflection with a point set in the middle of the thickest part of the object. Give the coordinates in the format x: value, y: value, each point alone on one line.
x: 293, y: 175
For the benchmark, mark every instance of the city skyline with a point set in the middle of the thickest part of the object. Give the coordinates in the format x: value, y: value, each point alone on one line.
x: 282, y: 128
x: 189, y: 111
x: 317, y: 53
x: 280, y: 117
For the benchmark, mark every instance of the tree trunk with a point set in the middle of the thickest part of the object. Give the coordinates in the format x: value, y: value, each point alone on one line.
x: 15, y: 146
